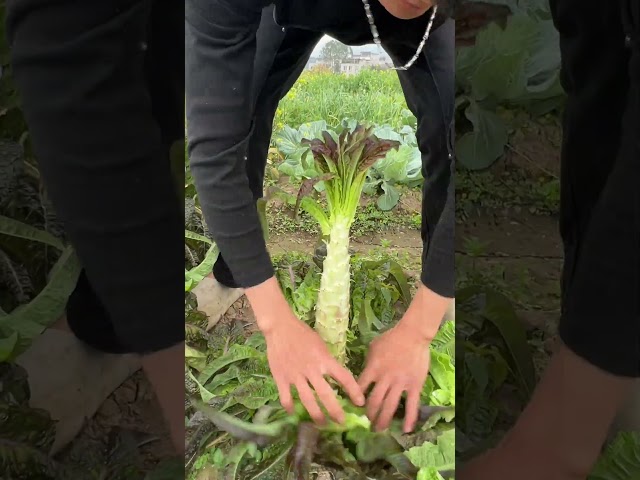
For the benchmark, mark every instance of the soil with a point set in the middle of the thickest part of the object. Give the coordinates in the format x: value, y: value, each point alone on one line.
x: 400, y: 242
x: 523, y: 249
x: 129, y: 424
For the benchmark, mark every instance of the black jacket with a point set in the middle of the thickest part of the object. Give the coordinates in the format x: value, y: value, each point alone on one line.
x: 220, y: 55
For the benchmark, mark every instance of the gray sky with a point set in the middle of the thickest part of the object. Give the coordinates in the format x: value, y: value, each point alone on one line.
x: 326, y: 38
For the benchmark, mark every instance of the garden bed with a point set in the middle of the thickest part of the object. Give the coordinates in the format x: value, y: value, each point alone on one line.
x: 236, y: 427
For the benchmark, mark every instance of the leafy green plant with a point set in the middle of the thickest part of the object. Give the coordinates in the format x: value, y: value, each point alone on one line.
x: 29, y: 319
x: 621, y: 459
x: 516, y: 67
x: 26, y: 434
x: 343, y: 166
x: 200, y: 270
x: 399, y: 167
x: 228, y: 374
x: 496, y: 359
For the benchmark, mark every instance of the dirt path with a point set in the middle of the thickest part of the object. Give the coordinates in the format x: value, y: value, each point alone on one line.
x: 395, y: 241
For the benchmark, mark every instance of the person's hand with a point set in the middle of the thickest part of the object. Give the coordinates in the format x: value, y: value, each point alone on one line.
x: 299, y: 357
x: 398, y: 361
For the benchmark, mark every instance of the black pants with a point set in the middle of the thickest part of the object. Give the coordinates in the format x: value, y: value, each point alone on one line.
x: 102, y: 88
x: 599, y: 182
x: 428, y: 87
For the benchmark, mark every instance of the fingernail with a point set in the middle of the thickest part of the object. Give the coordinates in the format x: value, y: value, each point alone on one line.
x: 361, y: 402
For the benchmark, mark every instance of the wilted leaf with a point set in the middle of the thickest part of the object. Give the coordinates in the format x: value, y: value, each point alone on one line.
x: 259, y: 434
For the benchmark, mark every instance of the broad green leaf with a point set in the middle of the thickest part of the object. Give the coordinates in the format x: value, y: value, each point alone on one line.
x: 274, y: 467
x: 235, y: 353
x: 194, y: 276
x: 429, y: 473
x: 31, y: 319
x: 621, y: 459
x: 386, y: 132
x: 190, y: 352
x: 260, y: 434
x: 313, y: 130
x: 439, y: 456
x: 205, y: 394
x: 372, y: 184
x: 7, y: 346
x: 444, y: 374
x: 374, y: 446
x: 314, y: 209
x: 15, y: 228
x: 233, y: 460
x: 401, y: 166
x: 478, y: 149
x: 499, y: 311
x: 197, y: 236
x: 27, y: 435
x: 397, y: 274
x: 288, y: 143
x: 445, y: 340
x: 389, y: 199
x: 231, y: 373
x: 256, y: 393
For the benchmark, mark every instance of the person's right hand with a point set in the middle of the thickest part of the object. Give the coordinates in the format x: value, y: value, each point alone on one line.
x: 299, y: 357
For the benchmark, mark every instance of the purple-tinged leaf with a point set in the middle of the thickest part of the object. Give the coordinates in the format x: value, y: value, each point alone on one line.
x: 307, y: 187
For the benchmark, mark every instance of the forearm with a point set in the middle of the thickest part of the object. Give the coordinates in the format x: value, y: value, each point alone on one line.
x: 438, y: 258
x: 426, y: 313
x: 434, y: 99
x: 219, y: 52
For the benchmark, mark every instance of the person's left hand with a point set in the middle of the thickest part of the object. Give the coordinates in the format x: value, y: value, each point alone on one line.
x: 398, y: 362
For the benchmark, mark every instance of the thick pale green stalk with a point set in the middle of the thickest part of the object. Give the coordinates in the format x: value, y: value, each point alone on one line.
x: 332, y: 310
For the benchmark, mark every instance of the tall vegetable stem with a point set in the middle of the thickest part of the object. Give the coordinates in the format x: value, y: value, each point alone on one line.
x: 343, y: 166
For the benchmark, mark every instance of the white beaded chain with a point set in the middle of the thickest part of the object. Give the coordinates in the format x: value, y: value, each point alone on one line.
x: 376, y: 36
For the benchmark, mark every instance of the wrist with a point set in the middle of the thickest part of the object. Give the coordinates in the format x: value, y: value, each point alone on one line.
x: 425, y: 314
x: 268, y: 304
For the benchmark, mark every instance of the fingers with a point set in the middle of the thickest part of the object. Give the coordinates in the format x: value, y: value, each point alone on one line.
x: 328, y: 398
x: 389, y: 407
x: 376, y: 398
x: 366, y: 378
x: 345, y: 378
x: 284, y: 391
x: 412, y: 407
x: 309, y: 401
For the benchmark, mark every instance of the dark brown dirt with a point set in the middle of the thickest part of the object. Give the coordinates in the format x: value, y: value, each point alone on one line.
x: 523, y: 251
x: 130, y: 416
